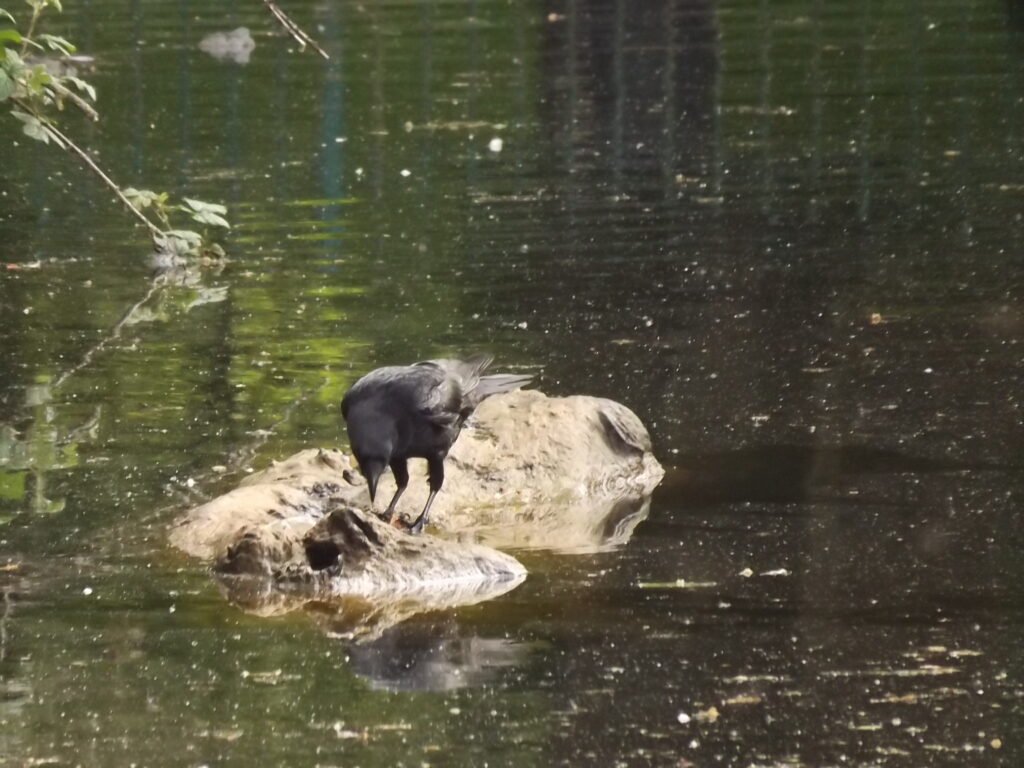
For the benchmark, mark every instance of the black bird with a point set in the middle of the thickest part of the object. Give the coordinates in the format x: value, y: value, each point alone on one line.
x: 416, y: 411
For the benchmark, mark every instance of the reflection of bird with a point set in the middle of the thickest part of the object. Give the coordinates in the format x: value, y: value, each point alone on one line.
x: 416, y: 411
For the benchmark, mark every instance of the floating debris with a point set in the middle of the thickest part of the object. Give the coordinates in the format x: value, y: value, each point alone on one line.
x: 743, y: 698
x: 926, y: 670
x: 677, y: 584
x: 708, y: 715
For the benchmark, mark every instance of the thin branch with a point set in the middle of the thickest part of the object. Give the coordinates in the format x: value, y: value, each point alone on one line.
x: 58, y: 91
x: 294, y: 29
x: 27, y: 37
x: 74, y: 149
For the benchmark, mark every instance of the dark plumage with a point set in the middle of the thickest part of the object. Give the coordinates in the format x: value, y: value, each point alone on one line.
x: 416, y: 411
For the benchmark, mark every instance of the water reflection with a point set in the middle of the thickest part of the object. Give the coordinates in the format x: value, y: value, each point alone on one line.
x: 565, y: 526
x: 436, y: 654
x: 401, y: 642
x: 29, y: 455
x: 354, y: 617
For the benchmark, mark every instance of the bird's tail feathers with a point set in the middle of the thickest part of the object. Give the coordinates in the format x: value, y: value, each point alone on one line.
x: 467, y: 370
x: 498, y: 383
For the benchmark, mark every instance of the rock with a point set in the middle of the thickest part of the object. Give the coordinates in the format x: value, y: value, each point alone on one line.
x: 376, y: 575
x: 571, y: 474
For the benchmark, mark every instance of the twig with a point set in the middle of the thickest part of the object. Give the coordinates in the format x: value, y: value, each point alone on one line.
x: 58, y: 91
x: 294, y: 29
x: 27, y: 37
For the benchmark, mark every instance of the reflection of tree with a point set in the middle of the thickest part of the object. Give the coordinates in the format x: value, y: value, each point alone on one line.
x: 25, y: 459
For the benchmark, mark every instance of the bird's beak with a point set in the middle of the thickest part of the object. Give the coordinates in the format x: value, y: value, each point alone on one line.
x: 371, y: 481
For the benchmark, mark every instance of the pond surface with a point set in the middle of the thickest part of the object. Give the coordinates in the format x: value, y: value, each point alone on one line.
x: 787, y: 234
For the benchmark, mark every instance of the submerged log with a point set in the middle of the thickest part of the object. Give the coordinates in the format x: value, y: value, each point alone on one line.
x: 572, y: 474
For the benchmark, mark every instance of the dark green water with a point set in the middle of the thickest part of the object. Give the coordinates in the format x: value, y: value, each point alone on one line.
x: 787, y: 234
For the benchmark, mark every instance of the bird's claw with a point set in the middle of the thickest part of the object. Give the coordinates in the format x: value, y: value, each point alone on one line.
x: 416, y: 526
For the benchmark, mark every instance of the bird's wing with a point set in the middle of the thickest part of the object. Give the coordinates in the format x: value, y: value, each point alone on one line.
x: 462, y: 376
x: 438, y: 396
x: 440, y: 391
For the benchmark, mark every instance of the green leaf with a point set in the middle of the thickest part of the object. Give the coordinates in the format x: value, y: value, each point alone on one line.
x: 37, y: 79
x: 10, y: 36
x: 141, y: 198
x: 6, y: 86
x: 190, y: 237
x: 32, y: 127
x: 14, y: 64
x: 182, y: 241
x: 210, y: 219
x: 39, y: 5
x: 81, y: 85
x: 55, y: 43
x: 5, y: 15
x: 200, y: 206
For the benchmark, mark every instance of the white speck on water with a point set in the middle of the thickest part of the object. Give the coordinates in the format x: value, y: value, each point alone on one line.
x: 190, y: 483
x: 495, y: 144
x: 406, y: 172
x: 683, y: 718
x: 87, y: 591
x: 172, y: 609
x: 359, y: 171
x: 522, y: 326
x: 746, y: 573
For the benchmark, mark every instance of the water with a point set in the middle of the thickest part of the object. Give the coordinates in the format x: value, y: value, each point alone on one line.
x: 786, y: 234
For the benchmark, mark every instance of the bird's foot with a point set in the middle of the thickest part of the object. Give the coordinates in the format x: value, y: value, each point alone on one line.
x: 416, y: 526
x: 386, y: 516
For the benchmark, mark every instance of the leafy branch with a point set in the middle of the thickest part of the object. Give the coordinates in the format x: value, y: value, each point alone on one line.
x: 35, y: 91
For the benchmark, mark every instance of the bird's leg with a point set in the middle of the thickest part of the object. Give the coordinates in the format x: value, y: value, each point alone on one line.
x: 401, y: 473
x: 435, y: 467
